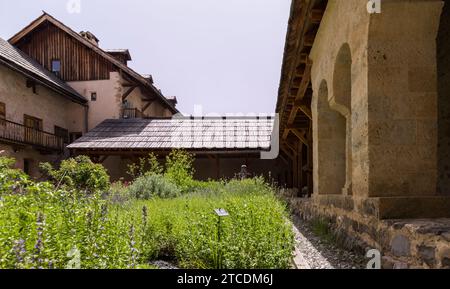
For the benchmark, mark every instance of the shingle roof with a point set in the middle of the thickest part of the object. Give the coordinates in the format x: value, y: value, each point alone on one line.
x: 185, y: 133
x: 21, y: 62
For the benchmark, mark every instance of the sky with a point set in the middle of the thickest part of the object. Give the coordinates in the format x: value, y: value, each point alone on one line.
x: 222, y: 55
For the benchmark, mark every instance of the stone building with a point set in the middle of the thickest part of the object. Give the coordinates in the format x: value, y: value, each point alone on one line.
x: 111, y: 96
x: 364, y: 105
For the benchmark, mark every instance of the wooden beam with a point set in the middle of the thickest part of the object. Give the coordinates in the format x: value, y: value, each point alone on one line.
x: 301, y: 136
x: 309, y: 38
x: 301, y: 91
x: 306, y: 110
x: 283, y: 159
x: 316, y: 16
x: 147, y: 105
x: 286, y: 152
x: 128, y: 92
x: 286, y: 133
x: 292, y: 148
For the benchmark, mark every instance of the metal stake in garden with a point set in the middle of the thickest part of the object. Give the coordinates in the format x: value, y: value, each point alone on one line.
x: 221, y: 213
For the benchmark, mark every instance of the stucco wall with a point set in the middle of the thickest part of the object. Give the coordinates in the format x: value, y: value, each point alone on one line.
x: 52, y: 108
x: 109, y: 98
x: 47, y: 105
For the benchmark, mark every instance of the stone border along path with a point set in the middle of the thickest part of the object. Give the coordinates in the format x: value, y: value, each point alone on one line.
x: 313, y: 253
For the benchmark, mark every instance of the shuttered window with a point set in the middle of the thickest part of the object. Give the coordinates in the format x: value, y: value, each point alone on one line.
x: 63, y: 133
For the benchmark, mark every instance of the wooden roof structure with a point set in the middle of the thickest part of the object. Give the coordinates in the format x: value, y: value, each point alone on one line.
x: 135, y: 79
x: 295, y: 91
x: 35, y: 73
x: 208, y: 134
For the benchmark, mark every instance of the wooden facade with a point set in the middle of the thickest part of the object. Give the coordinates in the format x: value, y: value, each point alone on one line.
x: 78, y: 62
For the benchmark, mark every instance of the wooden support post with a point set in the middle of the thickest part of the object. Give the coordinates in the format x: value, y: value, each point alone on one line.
x: 300, y: 168
x: 218, y: 167
x: 310, y: 163
x: 301, y: 136
x: 295, y: 169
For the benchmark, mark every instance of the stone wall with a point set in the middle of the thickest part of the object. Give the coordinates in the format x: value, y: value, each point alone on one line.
x: 423, y: 243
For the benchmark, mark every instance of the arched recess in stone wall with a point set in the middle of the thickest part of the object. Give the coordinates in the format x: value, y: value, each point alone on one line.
x: 329, y: 146
x: 443, y: 63
x: 341, y: 101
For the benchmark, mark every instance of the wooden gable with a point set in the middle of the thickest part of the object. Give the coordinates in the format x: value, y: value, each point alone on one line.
x: 78, y: 62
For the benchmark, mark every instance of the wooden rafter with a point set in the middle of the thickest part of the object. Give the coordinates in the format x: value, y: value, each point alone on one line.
x: 301, y: 92
x: 301, y: 135
x: 147, y: 105
x: 128, y: 92
x: 287, y: 153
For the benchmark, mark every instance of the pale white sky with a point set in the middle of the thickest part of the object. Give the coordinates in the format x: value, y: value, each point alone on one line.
x: 222, y: 54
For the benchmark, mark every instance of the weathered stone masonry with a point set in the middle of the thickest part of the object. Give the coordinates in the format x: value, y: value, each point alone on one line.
x: 380, y: 127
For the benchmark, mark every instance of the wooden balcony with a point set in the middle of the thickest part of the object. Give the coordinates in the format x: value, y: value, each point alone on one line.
x: 129, y: 113
x: 15, y: 133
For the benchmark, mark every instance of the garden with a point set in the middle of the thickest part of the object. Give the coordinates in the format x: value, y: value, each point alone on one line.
x: 76, y: 218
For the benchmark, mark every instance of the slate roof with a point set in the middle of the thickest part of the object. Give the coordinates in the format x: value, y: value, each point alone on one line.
x: 22, y: 63
x: 233, y: 134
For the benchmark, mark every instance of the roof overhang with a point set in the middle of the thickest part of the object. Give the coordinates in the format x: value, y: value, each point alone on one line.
x: 295, y: 91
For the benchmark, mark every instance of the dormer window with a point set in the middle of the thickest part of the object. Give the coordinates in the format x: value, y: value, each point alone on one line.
x: 56, y: 66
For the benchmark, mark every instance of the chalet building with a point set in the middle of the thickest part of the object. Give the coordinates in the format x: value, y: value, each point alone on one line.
x: 38, y: 111
x: 364, y: 110
x: 109, y: 112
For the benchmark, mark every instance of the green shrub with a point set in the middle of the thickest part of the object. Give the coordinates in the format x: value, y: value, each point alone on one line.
x: 179, y: 169
x: 146, y: 165
x: 119, y: 193
x: 78, y: 173
x: 151, y: 186
x: 12, y: 181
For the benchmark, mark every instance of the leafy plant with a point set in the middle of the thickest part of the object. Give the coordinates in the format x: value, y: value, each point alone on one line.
x: 150, y: 186
x: 78, y: 173
x: 11, y: 180
x: 146, y: 165
x: 179, y: 169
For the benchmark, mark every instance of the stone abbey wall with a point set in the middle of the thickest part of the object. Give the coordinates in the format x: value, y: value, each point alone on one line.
x: 381, y: 130
x: 375, y: 107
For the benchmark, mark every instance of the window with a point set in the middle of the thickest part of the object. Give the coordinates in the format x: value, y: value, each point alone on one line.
x: 33, y: 129
x: 94, y: 96
x: 56, y: 66
x: 62, y: 133
x: 74, y: 136
x: 33, y: 122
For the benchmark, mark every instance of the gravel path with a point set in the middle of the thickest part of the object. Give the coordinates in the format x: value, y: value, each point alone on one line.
x: 314, y: 253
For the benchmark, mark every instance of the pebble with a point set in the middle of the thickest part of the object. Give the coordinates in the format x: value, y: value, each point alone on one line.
x: 324, y: 255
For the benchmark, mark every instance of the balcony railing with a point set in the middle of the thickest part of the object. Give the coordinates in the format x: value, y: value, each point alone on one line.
x: 128, y: 113
x: 18, y: 133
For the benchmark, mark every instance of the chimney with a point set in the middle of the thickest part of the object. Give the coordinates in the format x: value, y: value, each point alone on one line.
x: 90, y: 37
x: 173, y: 100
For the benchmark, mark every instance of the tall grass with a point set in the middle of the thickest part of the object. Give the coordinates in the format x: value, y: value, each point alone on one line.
x: 44, y: 225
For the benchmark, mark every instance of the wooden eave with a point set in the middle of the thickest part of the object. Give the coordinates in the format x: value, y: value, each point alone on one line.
x: 295, y: 91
